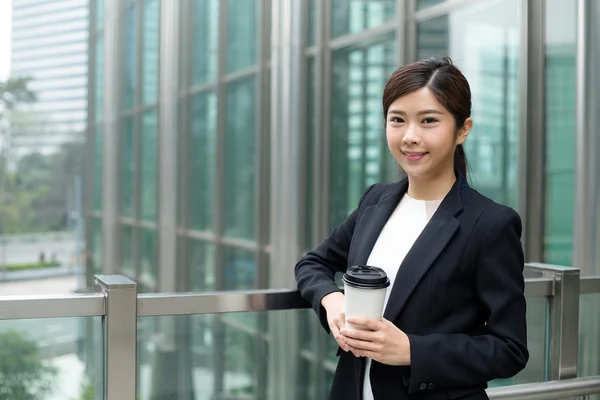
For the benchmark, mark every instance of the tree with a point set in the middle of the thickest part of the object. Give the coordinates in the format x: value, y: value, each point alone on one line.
x: 15, y: 91
x: 23, y: 374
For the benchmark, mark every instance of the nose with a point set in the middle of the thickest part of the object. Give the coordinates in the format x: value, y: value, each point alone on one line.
x: 411, y: 135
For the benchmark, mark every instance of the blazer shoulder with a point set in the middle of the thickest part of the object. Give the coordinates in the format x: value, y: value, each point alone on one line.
x: 492, y: 214
x: 377, y: 191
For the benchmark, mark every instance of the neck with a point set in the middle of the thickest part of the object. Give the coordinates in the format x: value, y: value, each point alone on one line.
x: 431, y: 187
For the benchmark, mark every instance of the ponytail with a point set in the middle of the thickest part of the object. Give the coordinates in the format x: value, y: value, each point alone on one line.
x: 460, y: 160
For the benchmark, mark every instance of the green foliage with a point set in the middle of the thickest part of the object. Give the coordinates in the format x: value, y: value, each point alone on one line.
x: 38, y: 265
x: 36, y: 191
x: 87, y: 392
x: 23, y: 374
x: 15, y: 91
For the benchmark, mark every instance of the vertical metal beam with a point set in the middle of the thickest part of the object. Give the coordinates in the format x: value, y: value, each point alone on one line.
x: 110, y: 151
x: 410, y: 31
x: 120, y: 336
x: 531, y: 128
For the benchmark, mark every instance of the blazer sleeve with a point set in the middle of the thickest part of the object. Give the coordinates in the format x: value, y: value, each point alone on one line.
x: 500, y: 351
x: 315, y: 272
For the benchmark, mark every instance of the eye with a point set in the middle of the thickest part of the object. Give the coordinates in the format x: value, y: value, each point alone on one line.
x: 430, y: 120
x: 396, y: 120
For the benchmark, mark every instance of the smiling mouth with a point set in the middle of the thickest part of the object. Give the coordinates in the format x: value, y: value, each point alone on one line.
x: 414, y: 156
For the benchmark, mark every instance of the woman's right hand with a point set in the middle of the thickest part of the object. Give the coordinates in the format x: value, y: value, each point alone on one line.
x: 334, y: 306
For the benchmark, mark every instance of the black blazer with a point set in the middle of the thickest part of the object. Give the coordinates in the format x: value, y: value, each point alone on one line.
x: 458, y: 295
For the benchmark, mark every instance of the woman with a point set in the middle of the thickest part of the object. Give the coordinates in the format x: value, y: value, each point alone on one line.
x: 454, y: 314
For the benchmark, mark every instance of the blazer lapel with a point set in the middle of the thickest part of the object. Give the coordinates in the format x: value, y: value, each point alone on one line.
x: 428, y: 246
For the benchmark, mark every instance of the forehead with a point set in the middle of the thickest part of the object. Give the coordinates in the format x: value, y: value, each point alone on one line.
x: 421, y: 99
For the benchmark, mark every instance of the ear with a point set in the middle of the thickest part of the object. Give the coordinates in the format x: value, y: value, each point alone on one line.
x: 463, y: 132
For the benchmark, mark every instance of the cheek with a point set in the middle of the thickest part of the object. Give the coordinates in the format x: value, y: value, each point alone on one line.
x: 394, y: 138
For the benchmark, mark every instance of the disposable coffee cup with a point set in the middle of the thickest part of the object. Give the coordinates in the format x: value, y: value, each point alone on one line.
x: 364, y: 292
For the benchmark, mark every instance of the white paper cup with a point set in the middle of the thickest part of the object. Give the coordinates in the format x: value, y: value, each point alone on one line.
x: 364, y: 293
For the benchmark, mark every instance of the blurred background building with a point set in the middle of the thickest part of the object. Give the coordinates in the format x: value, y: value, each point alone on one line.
x: 225, y: 138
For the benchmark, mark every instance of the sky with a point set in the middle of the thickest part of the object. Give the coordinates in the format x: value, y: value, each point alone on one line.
x: 5, y: 24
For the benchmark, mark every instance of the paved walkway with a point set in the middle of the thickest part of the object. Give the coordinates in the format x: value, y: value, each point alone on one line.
x: 51, y: 286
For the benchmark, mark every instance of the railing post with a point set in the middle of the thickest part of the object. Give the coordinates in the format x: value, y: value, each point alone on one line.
x: 564, y: 320
x: 120, y: 336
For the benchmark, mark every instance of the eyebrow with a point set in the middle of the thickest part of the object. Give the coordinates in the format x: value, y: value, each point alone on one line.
x: 400, y: 112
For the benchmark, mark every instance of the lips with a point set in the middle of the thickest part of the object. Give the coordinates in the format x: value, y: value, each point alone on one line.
x: 414, y: 156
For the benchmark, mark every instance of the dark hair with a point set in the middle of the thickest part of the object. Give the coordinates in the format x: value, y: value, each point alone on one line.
x: 448, y: 85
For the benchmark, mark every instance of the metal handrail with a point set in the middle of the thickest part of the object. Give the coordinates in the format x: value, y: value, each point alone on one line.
x: 61, y: 306
x: 547, y: 390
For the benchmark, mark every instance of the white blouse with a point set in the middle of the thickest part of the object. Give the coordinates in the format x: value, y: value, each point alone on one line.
x: 395, y: 240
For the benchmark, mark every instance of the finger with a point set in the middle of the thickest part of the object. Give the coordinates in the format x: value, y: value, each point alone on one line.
x: 366, y: 353
x: 335, y: 331
x: 361, y: 344
x: 367, y: 323
x: 358, y: 334
x: 388, y: 323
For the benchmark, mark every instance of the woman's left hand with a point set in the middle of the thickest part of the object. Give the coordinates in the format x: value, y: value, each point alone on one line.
x: 382, y: 341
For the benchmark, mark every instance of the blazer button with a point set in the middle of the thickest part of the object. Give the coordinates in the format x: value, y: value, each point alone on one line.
x: 423, y: 386
x: 431, y: 386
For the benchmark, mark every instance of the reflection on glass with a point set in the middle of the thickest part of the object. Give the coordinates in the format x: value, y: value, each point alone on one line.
x: 129, y: 59
x: 57, y: 358
x: 148, y: 255
x: 201, y: 265
x: 239, y: 266
x: 484, y: 43
x: 150, y: 51
x: 589, y: 336
x: 206, y: 41
x: 98, y: 151
x: 537, y: 324
x: 99, y: 79
x: 203, y: 149
x: 126, y: 242
x: 149, y: 161
x: 240, y: 159
x: 128, y: 167
x: 359, y: 155
x: 354, y: 16
x: 561, y: 47
x: 242, y: 34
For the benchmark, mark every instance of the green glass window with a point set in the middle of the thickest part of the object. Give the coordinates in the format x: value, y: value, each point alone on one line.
x: 240, y: 159
x: 97, y: 243
x: 239, y: 267
x: 149, y: 165
x: 486, y: 49
x: 128, y: 168
x: 428, y: 3
x: 242, y: 34
x: 127, y: 259
x: 150, y: 51
x: 206, y: 41
x: 148, y: 255
x: 561, y: 48
x: 129, y: 60
x: 100, y: 4
x: 98, y: 176
x: 202, y: 150
x: 99, y: 79
x: 358, y: 148
x: 354, y: 16
x: 201, y: 264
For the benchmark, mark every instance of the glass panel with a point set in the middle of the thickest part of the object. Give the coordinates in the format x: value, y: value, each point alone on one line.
x: 242, y: 33
x: 313, y: 9
x: 353, y: 16
x: 202, y: 265
x: 240, y: 159
x: 97, y: 245
x: 150, y: 51
x: 128, y: 168
x: 148, y: 256
x: 359, y: 153
x: 203, y: 155
x: 206, y: 40
x: 589, y: 336
x: 149, y: 165
x: 561, y: 48
x: 538, y: 321
x: 239, y: 269
x: 129, y: 60
x: 99, y: 78
x: 427, y: 3
x: 311, y: 155
x: 58, y: 358
x: 484, y: 42
x: 126, y: 241
x: 99, y: 14
x: 98, y: 175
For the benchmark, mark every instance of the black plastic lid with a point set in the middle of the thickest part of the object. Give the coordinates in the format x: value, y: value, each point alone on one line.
x: 365, y: 277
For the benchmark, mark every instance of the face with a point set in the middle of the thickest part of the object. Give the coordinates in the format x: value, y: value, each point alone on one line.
x: 421, y: 134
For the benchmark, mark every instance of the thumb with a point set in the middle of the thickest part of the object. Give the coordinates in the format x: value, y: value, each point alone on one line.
x: 388, y: 323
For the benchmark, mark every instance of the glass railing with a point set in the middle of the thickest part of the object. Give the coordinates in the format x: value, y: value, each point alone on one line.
x: 265, y: 344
